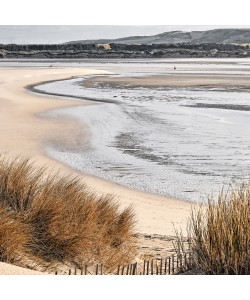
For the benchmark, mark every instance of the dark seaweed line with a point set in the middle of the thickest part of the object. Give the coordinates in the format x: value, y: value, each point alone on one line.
x: 33, y: 88
x: 220, y: 106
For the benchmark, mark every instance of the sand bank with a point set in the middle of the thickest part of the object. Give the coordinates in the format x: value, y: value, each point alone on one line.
x: 25, y: 131
x: 239, y: 82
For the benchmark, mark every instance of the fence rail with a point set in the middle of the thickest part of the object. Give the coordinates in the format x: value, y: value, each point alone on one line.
x: 158, y: 266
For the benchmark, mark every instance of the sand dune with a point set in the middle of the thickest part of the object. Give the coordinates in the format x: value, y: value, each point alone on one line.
x: 8, y: 269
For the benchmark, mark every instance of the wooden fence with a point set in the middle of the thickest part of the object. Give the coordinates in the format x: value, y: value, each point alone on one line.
x: 159, y: 266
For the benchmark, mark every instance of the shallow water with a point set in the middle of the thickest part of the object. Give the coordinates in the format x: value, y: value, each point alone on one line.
x: 185, y: 143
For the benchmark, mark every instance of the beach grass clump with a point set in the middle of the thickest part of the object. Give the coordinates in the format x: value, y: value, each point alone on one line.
x: 219, y: 233
x: 52, y: 220
x: 14, y: 238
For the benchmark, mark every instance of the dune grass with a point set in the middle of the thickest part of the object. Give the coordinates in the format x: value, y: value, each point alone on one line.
x: 219, y: 233
x: 48, y: 220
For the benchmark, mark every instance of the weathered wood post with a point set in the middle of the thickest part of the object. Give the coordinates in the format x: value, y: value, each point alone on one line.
x: 127, y: 270
x: 165, y: 266
x: 130, y: 269
x: 189, y: 258
x: 185, y: 260
x: 136, y: 269
x: 181, y: 265
x: 173, y: 264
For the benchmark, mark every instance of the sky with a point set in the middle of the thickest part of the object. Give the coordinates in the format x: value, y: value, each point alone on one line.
x: 52, y: 34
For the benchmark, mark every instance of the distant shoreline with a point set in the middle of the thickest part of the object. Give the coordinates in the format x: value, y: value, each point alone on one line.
x: 129, y: 49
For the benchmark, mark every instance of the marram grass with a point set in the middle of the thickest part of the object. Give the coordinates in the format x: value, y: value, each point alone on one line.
x: 219, y: 233
x: 48, y: 221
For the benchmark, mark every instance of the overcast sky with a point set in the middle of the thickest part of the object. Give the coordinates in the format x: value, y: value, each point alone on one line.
x: 28, y: 34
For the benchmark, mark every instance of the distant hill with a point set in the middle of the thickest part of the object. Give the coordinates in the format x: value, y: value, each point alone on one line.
x: 220, y: 36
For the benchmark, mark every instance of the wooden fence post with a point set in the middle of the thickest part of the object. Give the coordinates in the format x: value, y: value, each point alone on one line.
x: 169, y: 265
x: 185, y: 261
x: 165, y: 266
x: 147, y: 267
x: 161, y: 267
x: 127, y: 270
x: 86, y: 271
x: 173, y: 264
x: 118, y: 270
x: 181, y: 266
x: 152, y: 267
x: 144, y: 266
x: 132, y: 269
x: 69, y: 271
x: 135, y: 269
x: 122, y: 269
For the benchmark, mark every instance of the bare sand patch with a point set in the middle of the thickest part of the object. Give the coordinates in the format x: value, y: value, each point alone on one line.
x: 8, y: 269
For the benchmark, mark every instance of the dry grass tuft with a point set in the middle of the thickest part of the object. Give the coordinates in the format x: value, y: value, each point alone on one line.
x: 53, y: 221
x: 219, y: 234
x: 14, y: 238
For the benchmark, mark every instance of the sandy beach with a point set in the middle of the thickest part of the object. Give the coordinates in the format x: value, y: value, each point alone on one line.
x: 25, y: 131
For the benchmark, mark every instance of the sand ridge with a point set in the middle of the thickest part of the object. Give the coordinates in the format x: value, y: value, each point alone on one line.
x: 177, y: 80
